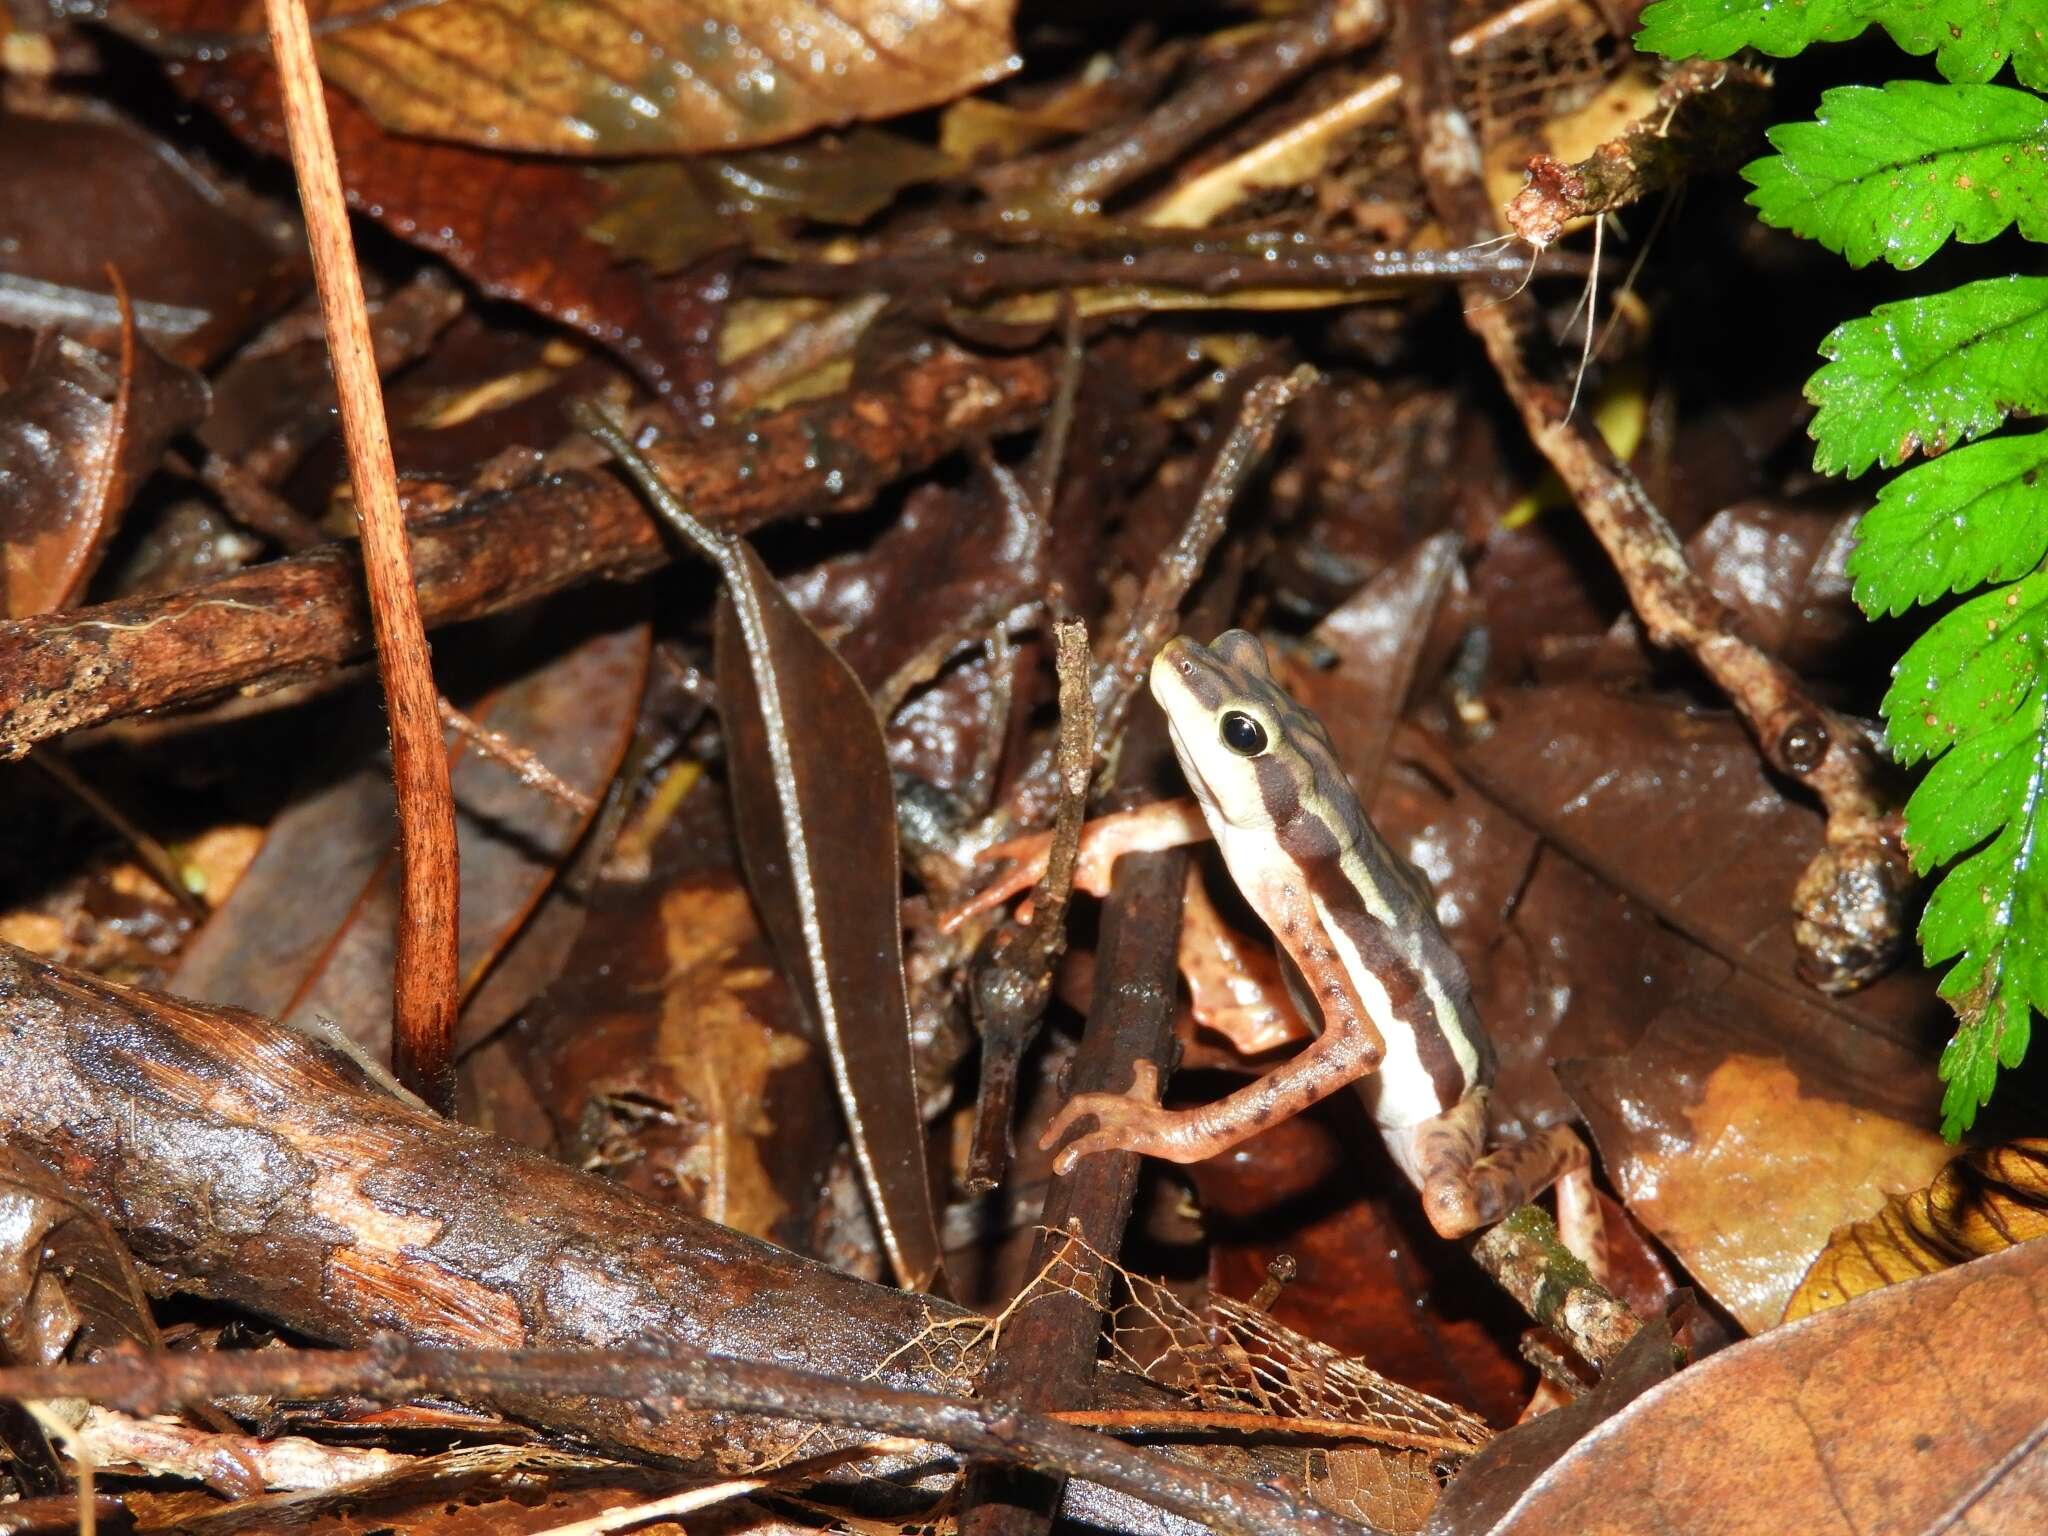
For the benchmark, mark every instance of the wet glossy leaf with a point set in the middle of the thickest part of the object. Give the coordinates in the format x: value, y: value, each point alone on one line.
x: 1924, y: 375
x: 70, y: 458
x: 82, y: 190
x: 668, y: 213
x: 1974, y: 38
x: 658, y: 77
x: 308, y: 932
x: 512, y: 224
x: 816, y: 809
x: 1589, y: 768
x: 1748, y: 1125
x: 1983, y: 1202
x: 1977, y: 514
x: 1916, y: 1410
x: 1894, y: 173
x: 66, y: 1281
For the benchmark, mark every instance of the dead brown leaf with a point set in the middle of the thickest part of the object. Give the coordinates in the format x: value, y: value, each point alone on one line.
x: 308, y: 933
x: 816, y: 809
x: 72, y: 452
x: 658, y: 77
x: 1914, y: 1410
x: 65, y: 1278
x: 1983, y: 1202
x: 668, y: 213
x: 1743, y: 1129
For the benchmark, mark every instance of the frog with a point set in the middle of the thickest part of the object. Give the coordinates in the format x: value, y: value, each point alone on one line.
x: 1371, y: 973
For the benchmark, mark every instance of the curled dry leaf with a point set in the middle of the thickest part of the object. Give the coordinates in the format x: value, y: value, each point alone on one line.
x: 71, y: 454
x: 655, y: 77
x: 65, y: 1277
x: 1983, y: 1202
x: 1914, y: 1410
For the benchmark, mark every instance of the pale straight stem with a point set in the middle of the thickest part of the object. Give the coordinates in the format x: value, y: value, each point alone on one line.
x: 424, y: 988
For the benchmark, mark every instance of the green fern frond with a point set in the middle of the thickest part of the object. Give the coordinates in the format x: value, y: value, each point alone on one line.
x: 1924, y: 375
x: 1975, y: 515
x: 1971, y: 39
x: 1894, y: 171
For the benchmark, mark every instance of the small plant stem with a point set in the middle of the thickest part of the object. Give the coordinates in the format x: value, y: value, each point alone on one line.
x: 1861, y: 871
x: 424, y: 983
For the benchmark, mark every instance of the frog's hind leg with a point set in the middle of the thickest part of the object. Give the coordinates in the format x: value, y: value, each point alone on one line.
x: 1465, y: 1188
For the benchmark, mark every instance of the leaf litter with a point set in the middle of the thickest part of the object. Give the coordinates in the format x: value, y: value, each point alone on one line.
x: 712, y: 986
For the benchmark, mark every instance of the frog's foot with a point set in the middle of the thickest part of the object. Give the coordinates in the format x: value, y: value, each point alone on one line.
x: 1146, y: 829
x: 1028, y: 857
x: 1124, y: 1122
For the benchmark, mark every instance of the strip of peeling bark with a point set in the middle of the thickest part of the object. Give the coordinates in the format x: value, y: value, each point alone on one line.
x: 305, y: 615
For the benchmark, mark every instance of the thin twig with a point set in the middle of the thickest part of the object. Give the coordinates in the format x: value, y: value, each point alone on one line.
x: 524, y: 766
x: 426, y: 975
x: 162, y: 1382
x: 1852, y: 898
x: 1013, y: 983
x: 1157, y: 614
x: 690, y: 1500
x: 1298, y: 152
x: 1081, y: 175
x: 151, y: 854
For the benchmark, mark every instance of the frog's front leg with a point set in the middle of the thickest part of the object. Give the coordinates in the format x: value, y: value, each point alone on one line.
x: 1146, y: 829
x: 1349, y: 1047
x: 1464, y: 1187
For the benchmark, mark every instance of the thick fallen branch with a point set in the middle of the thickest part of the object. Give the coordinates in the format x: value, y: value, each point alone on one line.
x: 305, y: 615
x: 244, y: 1161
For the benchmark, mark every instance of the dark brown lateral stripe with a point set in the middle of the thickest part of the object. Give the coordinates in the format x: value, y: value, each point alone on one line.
x: 1234, y: 667
x: 1316, y: 850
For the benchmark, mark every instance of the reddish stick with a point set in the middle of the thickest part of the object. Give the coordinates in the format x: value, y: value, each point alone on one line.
x: 424, y: 987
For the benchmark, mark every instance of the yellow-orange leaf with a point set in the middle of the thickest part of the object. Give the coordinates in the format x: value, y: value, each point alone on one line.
x: 577, y: 77
x: 1982, y: 1202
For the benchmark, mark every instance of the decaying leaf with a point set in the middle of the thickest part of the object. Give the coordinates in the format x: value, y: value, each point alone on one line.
x: 1490, y: 1483
x: 1742, y: 1133
x: 74, y: 444
x: 815, y: 804
x: 308, y: 932
x: 656, y: 77
x: 1914, y: 1410
x: 1983, y: 1202
x: 672, y: 1052
x: 65, y: 1278
x: 512, y: 224
x: 668, y: 213
x: 83, y: 189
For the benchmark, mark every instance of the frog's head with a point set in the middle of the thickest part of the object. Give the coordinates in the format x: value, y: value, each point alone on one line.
x: 1251, y: 754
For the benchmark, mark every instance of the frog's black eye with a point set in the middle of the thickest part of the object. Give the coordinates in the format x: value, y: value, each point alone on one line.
x: 1242, y: 734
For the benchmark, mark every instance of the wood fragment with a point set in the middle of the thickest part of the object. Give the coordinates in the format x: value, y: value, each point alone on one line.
x: 1530, y: 1262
